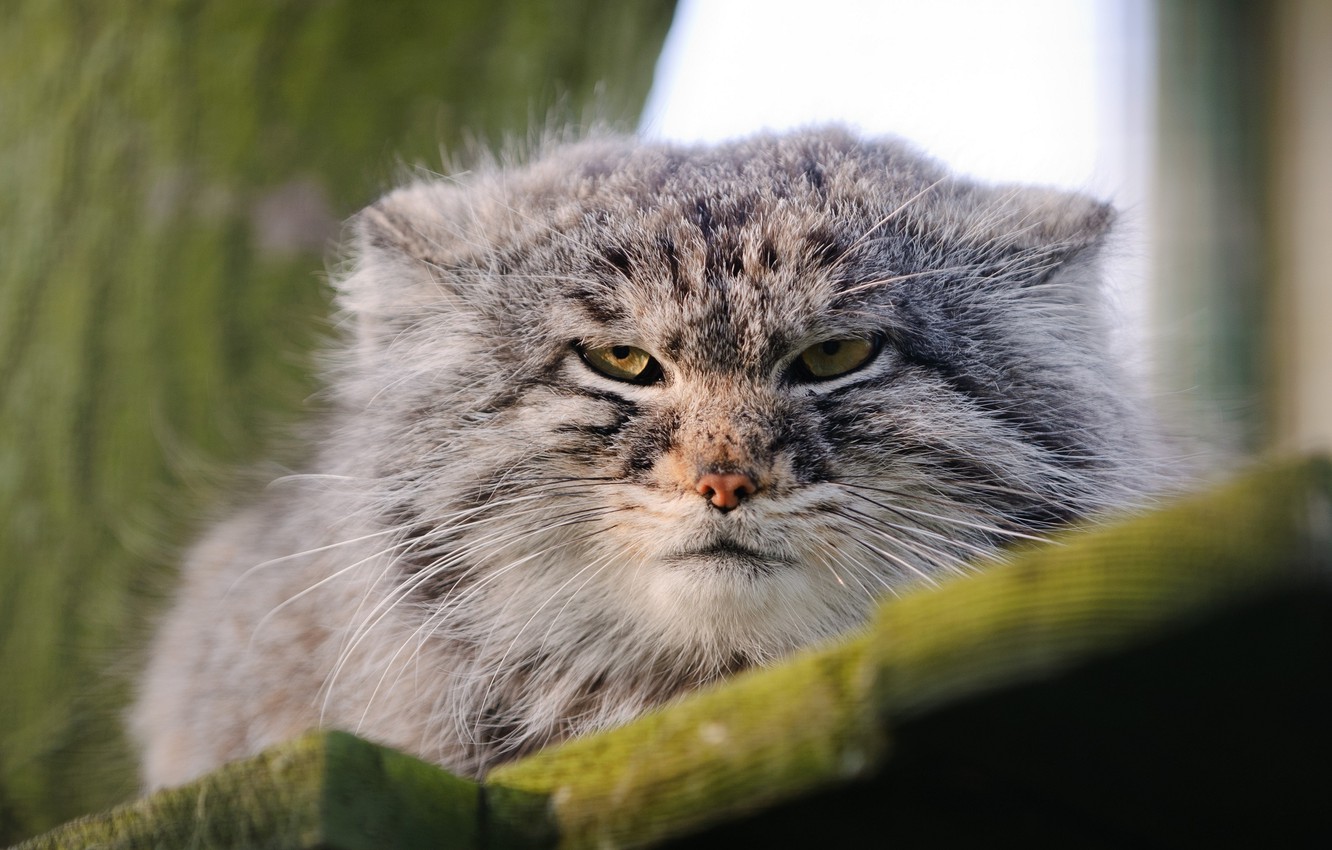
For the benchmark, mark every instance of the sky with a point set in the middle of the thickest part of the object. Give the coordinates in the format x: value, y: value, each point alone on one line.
x: 1029, y: 90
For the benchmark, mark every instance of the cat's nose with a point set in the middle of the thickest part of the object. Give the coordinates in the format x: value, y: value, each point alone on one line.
x: 724, y: 490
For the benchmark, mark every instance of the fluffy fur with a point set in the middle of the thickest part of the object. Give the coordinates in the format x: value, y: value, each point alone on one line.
x: 501, y: 546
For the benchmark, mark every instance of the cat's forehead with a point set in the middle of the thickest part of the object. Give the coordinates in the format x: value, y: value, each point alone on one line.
x: 721, y: 252
x: 711, y: 277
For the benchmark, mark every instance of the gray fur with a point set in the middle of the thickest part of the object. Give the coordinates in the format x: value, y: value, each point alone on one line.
x: 501, y: 547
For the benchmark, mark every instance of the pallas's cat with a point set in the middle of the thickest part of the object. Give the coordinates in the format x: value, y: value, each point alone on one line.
x: 631, y: 417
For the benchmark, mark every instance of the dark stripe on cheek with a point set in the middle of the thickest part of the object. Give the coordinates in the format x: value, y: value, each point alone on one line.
x: 648, y: 444
x: 1045, y: 425
x: 533, y: 375
x: 609, y: 430
x: 622, y: 412
x: 422, y: 557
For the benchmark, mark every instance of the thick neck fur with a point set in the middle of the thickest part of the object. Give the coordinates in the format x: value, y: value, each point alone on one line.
x: 504, y: 545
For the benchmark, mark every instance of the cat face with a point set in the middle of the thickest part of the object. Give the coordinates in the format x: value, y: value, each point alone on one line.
x: 724, y: 399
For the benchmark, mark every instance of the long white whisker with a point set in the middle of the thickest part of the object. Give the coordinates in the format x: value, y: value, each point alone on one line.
x: 403, y: 591
x: 901, y: 562
x: 892, y: 215
x: 305, y: 553
x: 499, y: 665
x: 956, y: 521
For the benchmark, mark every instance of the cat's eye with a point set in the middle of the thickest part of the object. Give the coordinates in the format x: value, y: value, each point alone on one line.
x: 623, y: 363
x: 834, y: 357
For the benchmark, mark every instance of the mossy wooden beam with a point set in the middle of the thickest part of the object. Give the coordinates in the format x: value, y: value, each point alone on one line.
x: 887, y: 731
x: 324, y: 790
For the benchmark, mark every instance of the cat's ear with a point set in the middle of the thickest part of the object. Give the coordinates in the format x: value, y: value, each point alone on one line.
x: 398, y: 250
x: 1036, y: 218
x: 404, y: 224
x: 1048, y: 242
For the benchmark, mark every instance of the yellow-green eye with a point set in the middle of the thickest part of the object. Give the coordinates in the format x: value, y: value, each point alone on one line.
x: 835, y: 357
x: 622, y: 362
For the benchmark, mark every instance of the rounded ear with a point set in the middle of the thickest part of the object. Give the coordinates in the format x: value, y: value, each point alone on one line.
x: 1029, y: 241
x: 406, y: 222
x: 396, y: 268
x: 1037, y: 218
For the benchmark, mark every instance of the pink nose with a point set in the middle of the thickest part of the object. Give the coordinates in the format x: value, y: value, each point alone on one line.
x: 724, y: 490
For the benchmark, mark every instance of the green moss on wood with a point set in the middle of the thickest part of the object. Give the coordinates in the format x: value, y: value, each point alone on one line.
x: 325, y: 790
x: 1096, y: 590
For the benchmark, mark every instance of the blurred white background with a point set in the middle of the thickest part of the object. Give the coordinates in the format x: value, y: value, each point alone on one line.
x: 1047, y: 91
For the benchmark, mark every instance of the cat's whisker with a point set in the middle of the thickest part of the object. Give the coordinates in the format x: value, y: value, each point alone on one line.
x: 856, y: 565
x: 835, y: 575
x: 304, y: 554
x: 454, y: 603
x: 608, y: 559
x: 499, y: 665
x: 886, y: 281
x: 444, y: 526
x: 967, y: 547
x: 854, y: 246
x: 929, y: 558
x: 339, y: 573
x: 970, y: 485
x: 317, y: 477
x: 475, y: 547
x: 481, y: 548
x: 403, y: 591
x: 831, y: 558
x: 476, y: 516
x: 487, y: 548
x: 976, y: 524
x: 328, y: 579
x: 386, y: 605
x: 901, y: 562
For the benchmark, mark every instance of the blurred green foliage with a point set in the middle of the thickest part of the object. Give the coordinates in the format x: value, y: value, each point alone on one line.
x: 171, y: 176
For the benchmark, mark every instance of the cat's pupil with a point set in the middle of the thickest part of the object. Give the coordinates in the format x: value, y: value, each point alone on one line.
x: 830, y: 347
x: 620, y: 352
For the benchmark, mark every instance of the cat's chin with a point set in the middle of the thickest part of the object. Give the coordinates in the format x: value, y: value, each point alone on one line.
x: 733, y: 599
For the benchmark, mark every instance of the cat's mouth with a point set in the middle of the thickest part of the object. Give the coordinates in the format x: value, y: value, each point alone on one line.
x: 728, y: 555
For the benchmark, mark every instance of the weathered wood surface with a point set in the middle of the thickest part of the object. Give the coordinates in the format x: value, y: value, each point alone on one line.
x: 1162, y: 681
x: 172, y: 174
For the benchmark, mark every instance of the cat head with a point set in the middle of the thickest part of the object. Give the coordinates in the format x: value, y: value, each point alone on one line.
x: 727, y: 395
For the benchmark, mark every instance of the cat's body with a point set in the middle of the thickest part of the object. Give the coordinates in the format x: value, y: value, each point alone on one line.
x: 623, y: 421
